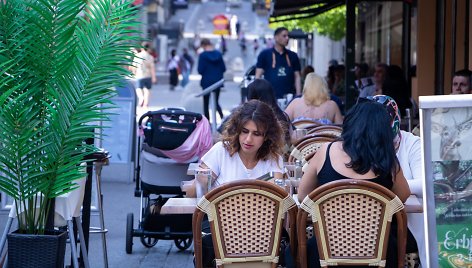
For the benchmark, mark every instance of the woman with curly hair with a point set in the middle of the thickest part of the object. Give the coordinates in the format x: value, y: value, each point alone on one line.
x: 249, y: 148
x: 250, y: 145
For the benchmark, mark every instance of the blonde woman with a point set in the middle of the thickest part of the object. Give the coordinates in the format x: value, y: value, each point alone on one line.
x: 315, y: 102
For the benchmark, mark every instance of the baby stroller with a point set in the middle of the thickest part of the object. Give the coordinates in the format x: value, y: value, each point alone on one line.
x: 173, y: 138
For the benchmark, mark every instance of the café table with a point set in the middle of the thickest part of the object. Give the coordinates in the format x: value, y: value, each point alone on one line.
x: 187, y: 205
x: 191, y: 168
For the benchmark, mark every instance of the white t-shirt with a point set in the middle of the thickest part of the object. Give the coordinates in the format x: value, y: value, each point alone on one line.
x: 143, y: 62
x: 231, y: 168
x: 409, y: 156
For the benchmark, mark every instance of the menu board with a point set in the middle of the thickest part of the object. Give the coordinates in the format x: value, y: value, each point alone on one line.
x: 447, y: 141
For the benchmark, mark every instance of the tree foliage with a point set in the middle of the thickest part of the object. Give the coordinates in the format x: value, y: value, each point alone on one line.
x: 331, y: 23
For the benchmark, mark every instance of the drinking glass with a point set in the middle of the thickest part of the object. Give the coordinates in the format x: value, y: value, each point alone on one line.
x: 300, y: 133
x: 281, y: 103
x: 202, y: 181
x: 289, y: 168
x: 187, y: 187
x: 289, y: 97
x: 293, y: 171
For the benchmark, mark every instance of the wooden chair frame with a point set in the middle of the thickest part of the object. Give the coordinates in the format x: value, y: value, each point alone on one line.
x: 327, y: 136
x: 330, y: 129
x: 306, y: 148
x: 306, y: 123
x: 340, y: 191
x: 216, y: 203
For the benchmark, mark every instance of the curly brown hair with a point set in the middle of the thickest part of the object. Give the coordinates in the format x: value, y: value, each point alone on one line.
x: 266, y: 122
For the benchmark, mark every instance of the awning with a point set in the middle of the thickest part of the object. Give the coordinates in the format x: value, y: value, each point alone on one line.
x: 283, y: 10
x: 301, y: 8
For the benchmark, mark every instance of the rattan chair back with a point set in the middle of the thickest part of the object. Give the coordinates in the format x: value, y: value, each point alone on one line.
x: 306, y: 147
x: 326, y: 129
x: 306, y: 123
x: 351, y: 220
x: 246, y: 220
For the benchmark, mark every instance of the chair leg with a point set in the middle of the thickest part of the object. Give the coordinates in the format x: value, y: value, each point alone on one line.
x: 5, y: 233
x: 83, y: 249
x: 73, y: 246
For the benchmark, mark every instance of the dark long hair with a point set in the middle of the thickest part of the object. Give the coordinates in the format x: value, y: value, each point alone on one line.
x: 261, y: 89
x: 266, y: 122
x: 368, y: 140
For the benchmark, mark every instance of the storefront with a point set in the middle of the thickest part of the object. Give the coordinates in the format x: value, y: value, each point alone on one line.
x: 428, y: 39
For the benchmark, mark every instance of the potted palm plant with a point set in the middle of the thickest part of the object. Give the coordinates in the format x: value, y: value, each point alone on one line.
x: 59, y: 62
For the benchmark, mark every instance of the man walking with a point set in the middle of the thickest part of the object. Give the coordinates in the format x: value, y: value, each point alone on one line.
x: 145, y: 74
x: 212, y: 67
x: 280, y: 66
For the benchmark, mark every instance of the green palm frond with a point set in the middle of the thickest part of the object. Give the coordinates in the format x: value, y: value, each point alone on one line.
x: 59, y: 60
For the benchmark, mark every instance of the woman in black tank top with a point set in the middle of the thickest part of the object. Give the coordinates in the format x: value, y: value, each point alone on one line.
x: 365, y: 151
x: 328, y: 174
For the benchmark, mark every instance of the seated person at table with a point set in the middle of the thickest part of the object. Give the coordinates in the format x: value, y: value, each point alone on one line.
x: 363, y: 154
x: 408, y: 149
x: 261, y: 89
x: 250, y: 145
x: 315, y: 103
x: 461, y: 82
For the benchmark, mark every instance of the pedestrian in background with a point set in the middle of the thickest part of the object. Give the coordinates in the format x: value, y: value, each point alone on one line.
x: 196, y: 43
x: 280, y: 66
x: 256, y: 46
x: 223, y: 45
x: 212, y: 67
x: 185, y: 64
x: 145, y: 74
x: 173, y: 67
x: 242, y: 44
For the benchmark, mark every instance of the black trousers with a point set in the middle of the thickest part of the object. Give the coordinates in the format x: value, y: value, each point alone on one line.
x: 206, y: 103
x: 174, y: 77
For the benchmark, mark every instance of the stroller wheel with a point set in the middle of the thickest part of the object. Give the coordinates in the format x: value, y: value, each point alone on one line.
x: 183, y: 243
x: 148, y: 241
x: 129, y: 233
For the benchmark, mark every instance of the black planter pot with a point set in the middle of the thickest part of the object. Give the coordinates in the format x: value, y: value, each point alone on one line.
x: 32, y: 251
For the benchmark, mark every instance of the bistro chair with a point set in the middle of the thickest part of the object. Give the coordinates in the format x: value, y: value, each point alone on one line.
x: 307, y: 147
x: 246, y: 219
x: 351, y: 222
x: 306, y: 123
x: 326, y: 129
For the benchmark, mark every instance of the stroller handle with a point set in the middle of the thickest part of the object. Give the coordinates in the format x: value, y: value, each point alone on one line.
x: 170, y: 112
